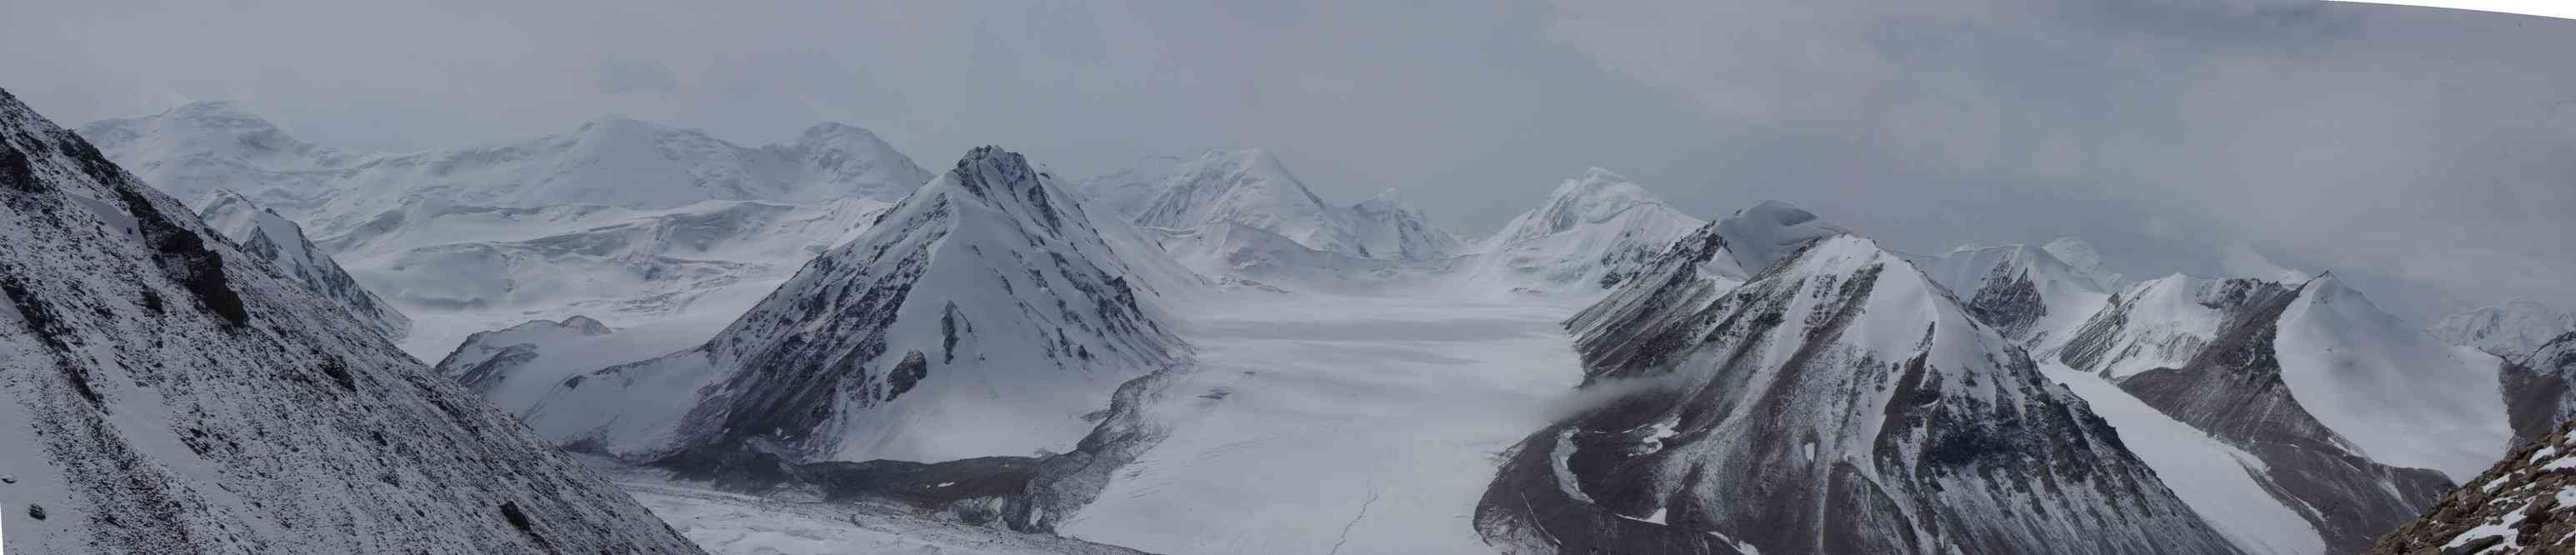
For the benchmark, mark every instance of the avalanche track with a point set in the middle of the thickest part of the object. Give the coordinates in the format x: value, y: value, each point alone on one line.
x: 1324, y: 424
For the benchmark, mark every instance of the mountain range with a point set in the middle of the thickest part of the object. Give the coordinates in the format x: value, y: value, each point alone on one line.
x: 1000, y: 346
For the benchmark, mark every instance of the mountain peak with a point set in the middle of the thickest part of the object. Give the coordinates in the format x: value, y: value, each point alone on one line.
x: 1772, y: 230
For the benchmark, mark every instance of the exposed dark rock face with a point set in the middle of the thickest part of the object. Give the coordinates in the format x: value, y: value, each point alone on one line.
x: 175, y: 394
x: 2538, y: 387
x: 2233, y: 390
x: 2515, y: 507
x: 1837, y: 402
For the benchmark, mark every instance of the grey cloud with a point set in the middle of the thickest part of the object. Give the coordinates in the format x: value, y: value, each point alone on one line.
x: 619, y: 75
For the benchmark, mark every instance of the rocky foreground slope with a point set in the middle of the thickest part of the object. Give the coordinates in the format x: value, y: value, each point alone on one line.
x: 2526, y: 503
x: 164, y: 391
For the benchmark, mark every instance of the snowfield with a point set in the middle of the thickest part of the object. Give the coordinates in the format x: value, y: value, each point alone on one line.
x: 1320, y: 424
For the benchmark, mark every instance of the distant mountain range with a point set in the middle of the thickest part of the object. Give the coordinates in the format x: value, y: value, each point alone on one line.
x: 823, y: 315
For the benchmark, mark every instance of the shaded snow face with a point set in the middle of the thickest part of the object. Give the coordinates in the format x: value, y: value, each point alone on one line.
x: 984, y: 315
x: 167, y: 391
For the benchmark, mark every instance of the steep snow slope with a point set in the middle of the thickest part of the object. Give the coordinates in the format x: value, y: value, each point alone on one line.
x: 2219, y: 480
x: 1594, y: 232
x: 1389, y: 228
x: 983, y: 315
x: 167, y: 392
x: 2025, y: 292
x: 1838, y: 402
x: 2511, y: 330
x: 2158, y: 323
x: 2398, y: 394
x: 193, y: 150
x: 271, y: 237
x: 2525, y: 503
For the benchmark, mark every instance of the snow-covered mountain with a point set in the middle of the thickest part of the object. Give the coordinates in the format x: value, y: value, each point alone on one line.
x: 1594, y: 232
x: 635, y: 223
x: 170, y: 392
x: 492, y: 364
x: 2157, y: 323
x: 1389, y: 228
x: 1253, y: 189
x: 262, y: 232
x: 2511, y: 330
x: 196, y: 149
x: 2026, y: 292
x: 2522, y: 504
x: 983, y: 315
x: 1250, y: 188
x: 463, y: 268
x: 1838, y: 402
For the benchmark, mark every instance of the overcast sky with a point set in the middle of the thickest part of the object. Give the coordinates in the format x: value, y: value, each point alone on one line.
x: 2427, y: 155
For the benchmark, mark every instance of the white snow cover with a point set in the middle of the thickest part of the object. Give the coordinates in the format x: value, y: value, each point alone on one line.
x: 460, y: 269
x: 1594, y: 231
x: 2213, y: 477
x: 629, y: 164
x: 635, y: 223
x: 1313, y: 421
x: 1770, y: 231
x: 2511, y: 330
x: 2081, y: 256
x: 1251, y: 188
x: 1124, y: 192
x: 282, y: 243
x: 983, y: 315
x: 2160, y: 323
x: 195, y: 149
x: 164, y: 391
x: 1388, y: 227
x: 2401, y: 396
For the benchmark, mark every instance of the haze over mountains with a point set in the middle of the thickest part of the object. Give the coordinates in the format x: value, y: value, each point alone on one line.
x: 1202, y: 354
